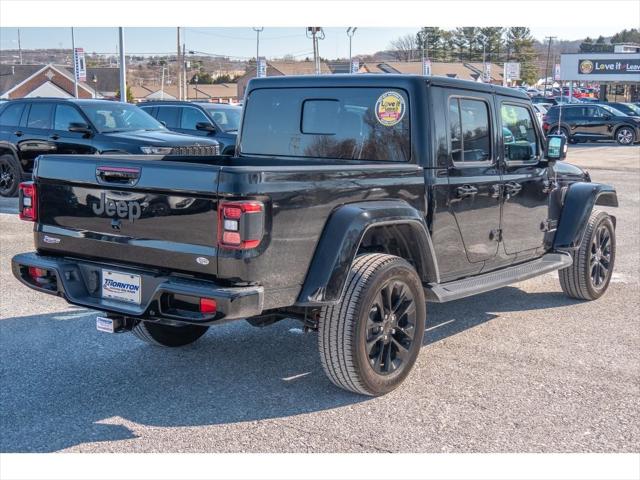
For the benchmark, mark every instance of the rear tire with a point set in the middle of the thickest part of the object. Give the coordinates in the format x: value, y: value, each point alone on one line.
x: 589, y: 276
x: 370, y: 341
x: 9, y: 175
x: 167, y: 335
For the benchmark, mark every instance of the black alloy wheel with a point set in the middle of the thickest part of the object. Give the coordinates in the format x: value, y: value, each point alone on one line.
x: 391, y: 327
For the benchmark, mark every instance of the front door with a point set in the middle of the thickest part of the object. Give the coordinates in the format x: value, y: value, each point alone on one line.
x: 526, y: 184
x: 474, y: 177
x: 70, y: 143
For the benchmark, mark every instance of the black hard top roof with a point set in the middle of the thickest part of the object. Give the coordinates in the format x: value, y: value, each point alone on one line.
x: 379, y: 80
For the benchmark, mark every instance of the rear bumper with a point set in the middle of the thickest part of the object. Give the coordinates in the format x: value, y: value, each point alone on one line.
x: 79, y: 282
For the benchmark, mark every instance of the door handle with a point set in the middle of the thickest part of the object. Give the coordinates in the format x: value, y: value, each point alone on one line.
x: 54, y: 137
x: 495, y: 191
x: 512, y: 188
x: 18, y: 133
x: 466, y: 191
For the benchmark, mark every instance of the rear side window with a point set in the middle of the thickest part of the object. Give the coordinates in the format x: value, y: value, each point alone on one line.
x: 66, y: 115
x: 40, y: 116
x: 170, y: 116
x: 11, y: 115
x: 469, y: 130
x: 342, y: 123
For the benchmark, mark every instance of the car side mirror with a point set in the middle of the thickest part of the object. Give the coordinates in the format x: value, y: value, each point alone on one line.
x: 556, y: 148
x: 606, y: 116
x: 205, y: 126
x: 80, y: 127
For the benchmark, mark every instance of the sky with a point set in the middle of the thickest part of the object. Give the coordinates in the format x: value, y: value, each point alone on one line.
x: 240, y: 42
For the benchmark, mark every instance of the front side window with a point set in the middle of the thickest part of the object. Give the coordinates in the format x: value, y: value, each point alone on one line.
x: 228, y: 119
x: 469, y: 131
x: 40, y: 116
x: 522, y: 144
x: 66, y: 115
x: 340, y: 123
x: 191, y: 117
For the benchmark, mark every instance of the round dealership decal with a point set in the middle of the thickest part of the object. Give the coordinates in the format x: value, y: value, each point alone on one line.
x: 390, y: 108
x: 586, y: 66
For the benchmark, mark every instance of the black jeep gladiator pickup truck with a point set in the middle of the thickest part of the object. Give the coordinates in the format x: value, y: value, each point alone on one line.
x: 352, y: 201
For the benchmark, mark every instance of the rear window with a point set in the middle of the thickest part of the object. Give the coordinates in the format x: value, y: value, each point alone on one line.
x: 342, y: 123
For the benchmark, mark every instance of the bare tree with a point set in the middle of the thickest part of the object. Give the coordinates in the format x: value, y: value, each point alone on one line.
x: 404, y: 48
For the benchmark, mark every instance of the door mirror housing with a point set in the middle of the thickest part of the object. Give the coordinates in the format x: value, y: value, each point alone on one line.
x: 80, y: 127
x: 205, y: 126
x: 556, y: 148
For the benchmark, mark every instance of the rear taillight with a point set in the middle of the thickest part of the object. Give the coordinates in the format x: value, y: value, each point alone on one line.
x: 28, y: 202
x: 208, y: 306
x: 240, y: 224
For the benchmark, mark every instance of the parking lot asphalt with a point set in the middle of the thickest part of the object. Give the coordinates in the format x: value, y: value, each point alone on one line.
x: 520, y: 369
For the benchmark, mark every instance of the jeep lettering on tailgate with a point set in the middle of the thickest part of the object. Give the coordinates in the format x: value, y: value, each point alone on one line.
x: 120, y: 208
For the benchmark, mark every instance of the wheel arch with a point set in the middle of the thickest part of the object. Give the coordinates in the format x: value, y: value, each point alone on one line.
x: 577, y: 205
x: 392, y: 227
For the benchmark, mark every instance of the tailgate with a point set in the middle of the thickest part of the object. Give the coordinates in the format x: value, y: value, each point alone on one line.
x: 132, y: 209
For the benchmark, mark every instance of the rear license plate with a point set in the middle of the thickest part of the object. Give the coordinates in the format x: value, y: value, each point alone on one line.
x: 123, y: 287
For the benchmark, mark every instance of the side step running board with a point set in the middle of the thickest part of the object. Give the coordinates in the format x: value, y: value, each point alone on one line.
x: 445, y: 292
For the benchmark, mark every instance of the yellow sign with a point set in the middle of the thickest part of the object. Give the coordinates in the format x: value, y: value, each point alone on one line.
x: 390, y: 108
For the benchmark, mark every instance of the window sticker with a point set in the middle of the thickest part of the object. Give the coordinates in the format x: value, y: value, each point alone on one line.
x: 390, y: 108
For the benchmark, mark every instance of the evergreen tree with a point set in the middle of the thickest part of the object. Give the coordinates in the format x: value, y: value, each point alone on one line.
x: 520, y: 47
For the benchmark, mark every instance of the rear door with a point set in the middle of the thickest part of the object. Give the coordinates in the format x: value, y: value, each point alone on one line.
x: 474, y: 176
x: 35, y: 132
x: 525, y: 180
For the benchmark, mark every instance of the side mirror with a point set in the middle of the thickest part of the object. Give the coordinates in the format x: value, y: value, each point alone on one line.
x: 556, y: 148
x: 205, y: 126
x: 80, y: 127
x: 606, y: 116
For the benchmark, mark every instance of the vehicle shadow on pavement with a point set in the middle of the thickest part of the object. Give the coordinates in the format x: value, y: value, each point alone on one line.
x: 448, y: 319
x: 60, y: 379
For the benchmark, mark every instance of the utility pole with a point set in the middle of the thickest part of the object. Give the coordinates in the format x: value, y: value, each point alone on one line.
x: 484, y: 59
x: 316, y: 32
x: 19, y: 47
x: 257, y: 30
x: 75, y: 67
x: 162, y: 85
x: 179, y: 68
x: 546, y: 70
x: 185, y: 85
x: 123, y: 67
x: 351, y: 31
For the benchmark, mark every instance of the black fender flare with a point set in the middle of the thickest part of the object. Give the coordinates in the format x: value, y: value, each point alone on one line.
x: 14, y: 150
x: 578, y: 202
x: 341, y: 238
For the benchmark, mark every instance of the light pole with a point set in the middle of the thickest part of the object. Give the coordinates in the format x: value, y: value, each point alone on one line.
x: 546, y: 70
x: 257, y: 30
x: 484, y: 59
x: 123, y: 67
x: 19, y: 47
x: 351, y: 31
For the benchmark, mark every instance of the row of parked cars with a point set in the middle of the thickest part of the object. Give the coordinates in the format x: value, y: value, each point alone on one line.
x: 583, y: 122
x: 35, y: 126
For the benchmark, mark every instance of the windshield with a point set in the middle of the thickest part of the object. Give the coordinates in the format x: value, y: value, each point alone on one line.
x: 615, y: 111
x: 228, y: 119
x: 119, y: 117
x: 633, y: 107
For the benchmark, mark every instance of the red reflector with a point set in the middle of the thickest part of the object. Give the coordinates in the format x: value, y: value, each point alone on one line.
x: 232, y: 213
x: 208, y: 305
x: 231, y: 238
x: 35, y: 272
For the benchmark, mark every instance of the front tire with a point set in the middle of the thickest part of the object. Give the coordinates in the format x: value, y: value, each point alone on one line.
x: 589, y: 276
x: 9, y: 175
x: 625, y: 136
x: 370, y: 341
x: 167, y: 335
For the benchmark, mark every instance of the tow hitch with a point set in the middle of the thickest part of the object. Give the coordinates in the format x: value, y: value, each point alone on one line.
x: 114, y: 324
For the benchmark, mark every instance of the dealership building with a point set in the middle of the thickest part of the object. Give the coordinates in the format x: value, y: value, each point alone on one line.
x: 618, y: 72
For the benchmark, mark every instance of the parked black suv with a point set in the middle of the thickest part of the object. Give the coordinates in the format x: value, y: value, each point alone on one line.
x: 588, y: 122
x: 32, y: 127
x: 216, y: 120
